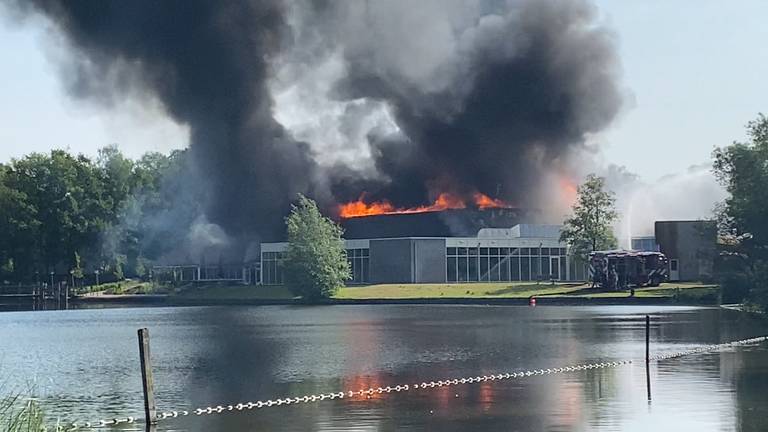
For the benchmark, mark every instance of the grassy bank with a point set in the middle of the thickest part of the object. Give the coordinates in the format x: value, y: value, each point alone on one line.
x: 684, y: 292
x: 19, y: 414
x: 123, y: 287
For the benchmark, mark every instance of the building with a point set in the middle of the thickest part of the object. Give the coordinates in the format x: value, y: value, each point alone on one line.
x: 521, y: 253
x: 690, y: 246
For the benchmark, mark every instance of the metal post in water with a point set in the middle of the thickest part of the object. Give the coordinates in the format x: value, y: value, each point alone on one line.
x: 648, y: 355
x: 150, y: 410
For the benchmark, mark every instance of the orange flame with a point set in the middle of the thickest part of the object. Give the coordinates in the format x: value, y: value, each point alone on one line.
x: 444, y: 201
x: 569, y: 190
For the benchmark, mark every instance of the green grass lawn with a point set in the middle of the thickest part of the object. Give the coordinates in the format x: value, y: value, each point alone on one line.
x: 470, y: 290
x: 684, y: 291
x: 233, y: 292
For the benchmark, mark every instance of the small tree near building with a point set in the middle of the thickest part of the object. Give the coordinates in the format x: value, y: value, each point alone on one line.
x: 589, y: 228
x: 315, y: 264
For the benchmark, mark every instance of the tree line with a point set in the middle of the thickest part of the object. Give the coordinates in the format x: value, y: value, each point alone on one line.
x: 73, y: 215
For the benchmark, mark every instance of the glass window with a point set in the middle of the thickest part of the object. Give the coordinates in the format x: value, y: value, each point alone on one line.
x: 525, y: 270
x: 451, y: 251
x: 493, y: 265
x: 534, y: 251
x: 504, y: 269
x: 514, y: 268
x: 545, y: 273
x: 493, y: 251
x: 535, y: 269
x: 451, y: 269
x: 545, y: 251
x: 358, y: 271
x: 463, y: 269
x: 562, y: 269
x: 484, y: 268
x: 484, y: 251
x: 366, y: 252
x: 504, y: 251
x: 462, y: 251
x: 473, y: 264
x: 525, y: 251
x: 473, y: 251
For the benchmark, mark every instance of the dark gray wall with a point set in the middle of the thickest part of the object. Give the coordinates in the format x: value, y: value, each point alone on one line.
x: 390, y: 261
x: 692, y: 243
x: 407, y: 260
x: 430, y: 260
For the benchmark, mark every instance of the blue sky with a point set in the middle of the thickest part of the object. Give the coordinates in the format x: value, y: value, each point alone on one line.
x: 697, y: 71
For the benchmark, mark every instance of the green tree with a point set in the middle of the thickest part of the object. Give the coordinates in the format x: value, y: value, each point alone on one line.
x: 742, y: 168
x: 77, y: 270
x: 589, y: 228
x: 315, y: 264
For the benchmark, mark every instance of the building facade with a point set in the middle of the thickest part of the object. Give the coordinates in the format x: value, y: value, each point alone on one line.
x: 690, y: 246
x: 520, y: 253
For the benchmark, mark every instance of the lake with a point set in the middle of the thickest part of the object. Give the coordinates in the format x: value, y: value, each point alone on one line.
x: 84, y: 365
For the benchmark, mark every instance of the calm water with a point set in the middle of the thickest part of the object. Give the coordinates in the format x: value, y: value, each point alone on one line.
x: 84, y: 364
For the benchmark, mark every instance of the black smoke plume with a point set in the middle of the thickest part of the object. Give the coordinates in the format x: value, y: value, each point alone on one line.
x: 207, y: 62
x: 427, y: 96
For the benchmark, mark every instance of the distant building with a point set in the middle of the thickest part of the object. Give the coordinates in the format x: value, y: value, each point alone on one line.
x: 690, y: 246
x: 645, y: 244
x: 522, y: 253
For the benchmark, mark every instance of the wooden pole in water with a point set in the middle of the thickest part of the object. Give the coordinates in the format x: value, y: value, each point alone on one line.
x: 647, y: 339
x: 150, y: 410
x: 648, y: 355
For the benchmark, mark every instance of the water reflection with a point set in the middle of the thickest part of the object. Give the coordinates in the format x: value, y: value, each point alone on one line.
x: 85, y: 365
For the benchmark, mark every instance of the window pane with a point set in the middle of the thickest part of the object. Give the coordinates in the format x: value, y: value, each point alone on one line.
x: 358, y: 270
x: 534, y: 251
x: 493, y: 251
x: 562, y: 269
x: 462, y: 269
x: 504, y: 269
x: 462, y: 251
x: 504, y: 251
x: 514, y: 267
x: 451, y: 251
x: 525, y: 270
x: 472, y: 251
x: 525, y: 251
x: 545, y: 251
x: 473, y: 264
x: 366, y: 252
x: 451, y: 269
x: 545, y: 273
x: 483, y: 251
x: 494, y: 268
x: 484, y: 268
x: 535, y: 268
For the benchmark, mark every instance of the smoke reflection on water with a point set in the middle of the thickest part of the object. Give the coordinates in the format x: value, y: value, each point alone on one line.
x: 217, y: 355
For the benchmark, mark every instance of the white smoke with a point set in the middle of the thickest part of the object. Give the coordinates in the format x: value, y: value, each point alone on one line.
x: 691, y: 195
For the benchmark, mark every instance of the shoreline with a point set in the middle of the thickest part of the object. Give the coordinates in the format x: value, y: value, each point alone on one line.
x: 165, y: 300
